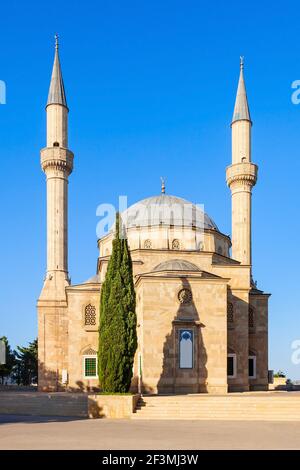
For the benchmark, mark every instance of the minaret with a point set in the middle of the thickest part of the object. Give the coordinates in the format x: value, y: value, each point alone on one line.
x: 57, y: 163
x: 241, y: 175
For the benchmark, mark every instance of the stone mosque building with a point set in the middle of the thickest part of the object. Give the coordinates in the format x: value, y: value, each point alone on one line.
x: 202, y: 322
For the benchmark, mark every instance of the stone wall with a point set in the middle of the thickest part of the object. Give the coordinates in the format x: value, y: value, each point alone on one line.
x: 258, y: 340
x: 161, y: 318
x: 82, y: 339
x: 112, y: 406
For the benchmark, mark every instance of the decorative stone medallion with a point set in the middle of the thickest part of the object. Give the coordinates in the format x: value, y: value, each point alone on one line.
x: 175, y: 244
x: 185, y: 296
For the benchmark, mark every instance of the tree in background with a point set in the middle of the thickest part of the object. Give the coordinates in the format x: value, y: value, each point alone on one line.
x: 7, y: 368
x: 117, y: 326
x: 280, y: 374
x: 26, y: 366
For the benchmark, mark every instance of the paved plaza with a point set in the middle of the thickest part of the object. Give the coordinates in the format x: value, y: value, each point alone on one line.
x: 17, y: 432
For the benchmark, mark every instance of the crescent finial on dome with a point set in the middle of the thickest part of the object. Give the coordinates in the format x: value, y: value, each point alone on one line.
x: 163, y: 185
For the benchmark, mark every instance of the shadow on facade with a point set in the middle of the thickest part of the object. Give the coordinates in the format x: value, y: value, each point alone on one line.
x: 49, y: 382
x: 47, y: 379
x: 176, y: 380
x: 247, y: 335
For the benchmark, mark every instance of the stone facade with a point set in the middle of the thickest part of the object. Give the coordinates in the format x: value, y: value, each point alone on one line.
x: 202, y: 323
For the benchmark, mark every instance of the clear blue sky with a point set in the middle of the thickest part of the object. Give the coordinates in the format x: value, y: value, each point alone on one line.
x: 151, y: 88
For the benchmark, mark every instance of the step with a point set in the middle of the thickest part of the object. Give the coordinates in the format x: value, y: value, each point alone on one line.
x: 227, y: 408
x: 206, y: 418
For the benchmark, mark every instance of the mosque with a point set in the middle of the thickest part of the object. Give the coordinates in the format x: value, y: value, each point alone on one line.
x: 202, y: 322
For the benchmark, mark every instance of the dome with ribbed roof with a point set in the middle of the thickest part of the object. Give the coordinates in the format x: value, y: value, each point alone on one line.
x: 176, y: 265
x: 166, y: 210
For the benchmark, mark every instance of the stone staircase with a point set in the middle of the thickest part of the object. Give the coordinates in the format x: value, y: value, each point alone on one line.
x: 263, y: 406
x: 283, y: 406
x: 44, y: 404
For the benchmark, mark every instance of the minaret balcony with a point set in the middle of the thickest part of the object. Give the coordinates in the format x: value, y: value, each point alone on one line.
x: 243, y: 172
x: 58, y: 158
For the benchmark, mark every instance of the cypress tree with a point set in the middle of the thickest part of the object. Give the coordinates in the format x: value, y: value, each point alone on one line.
x: 117, y: 326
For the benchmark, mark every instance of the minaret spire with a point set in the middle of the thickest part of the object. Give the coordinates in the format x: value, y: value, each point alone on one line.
x: 241, y: 175
x: 241, y: 108
x: 57, y: 93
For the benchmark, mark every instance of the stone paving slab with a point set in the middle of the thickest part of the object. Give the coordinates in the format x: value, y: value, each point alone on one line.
x: 25, y: 432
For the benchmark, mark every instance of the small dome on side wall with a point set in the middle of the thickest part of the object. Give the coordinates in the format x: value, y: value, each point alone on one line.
x: 176, y: 265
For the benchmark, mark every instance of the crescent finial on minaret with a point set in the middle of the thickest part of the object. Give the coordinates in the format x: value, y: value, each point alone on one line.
x: 56, y: 41
x: 241, y: 109
x: 57, y: 93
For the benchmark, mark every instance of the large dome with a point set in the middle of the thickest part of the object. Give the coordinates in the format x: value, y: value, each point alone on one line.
x: 166, y: 210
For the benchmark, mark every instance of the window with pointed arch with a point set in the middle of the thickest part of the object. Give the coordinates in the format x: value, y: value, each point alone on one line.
x: 186, y: 353
x: 175, y: 244
x: 90, y: 363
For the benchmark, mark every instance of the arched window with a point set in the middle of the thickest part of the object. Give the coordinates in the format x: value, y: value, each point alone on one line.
x: 90, y: 315
x: 90, y: 363
x: 251, y: 317
x: 175, y: 244
x: 230, y: 312
x: 147, y: 244
x: 186, y: 349
x: 55, y: 144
